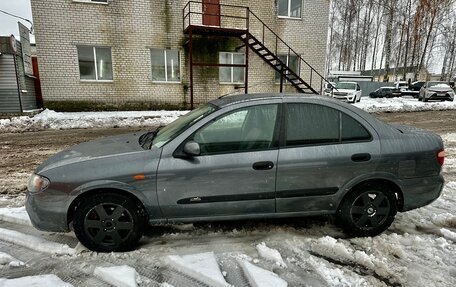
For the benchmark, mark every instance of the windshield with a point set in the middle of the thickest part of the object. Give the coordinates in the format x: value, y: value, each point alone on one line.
x: 438, y: 84
x: 172, y: 130
x: 346, y: 86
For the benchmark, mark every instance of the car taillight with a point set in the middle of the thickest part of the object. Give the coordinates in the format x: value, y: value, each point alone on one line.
x: 441, y: 157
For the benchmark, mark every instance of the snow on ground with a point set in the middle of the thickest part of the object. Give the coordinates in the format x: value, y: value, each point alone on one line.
x: 259, y: 277
x: 49, y: 119
x: 6, y: 259
x: 203, y: 266
x: 48, y: 280
x: 15, y: 215
x: 118, y: 276
x: 35, y: 243
x: 401, y: 104
x: 270, y: 254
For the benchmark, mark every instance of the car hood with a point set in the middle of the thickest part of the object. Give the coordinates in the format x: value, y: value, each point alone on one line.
x: 440, y: 89
x: 345, y: 91
x: 103, y: 147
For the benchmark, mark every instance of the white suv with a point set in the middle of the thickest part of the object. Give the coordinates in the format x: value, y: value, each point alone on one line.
x: 349, y: 91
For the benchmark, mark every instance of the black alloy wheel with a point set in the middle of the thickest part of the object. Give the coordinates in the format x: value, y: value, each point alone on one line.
x: 367, y: 210
x: 109, y: 222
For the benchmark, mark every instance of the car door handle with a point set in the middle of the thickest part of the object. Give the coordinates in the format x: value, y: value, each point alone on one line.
x: 361, y: 157
x: 263, y: 165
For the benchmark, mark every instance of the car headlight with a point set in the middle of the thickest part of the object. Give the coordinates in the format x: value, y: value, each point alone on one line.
x: 37, y: 183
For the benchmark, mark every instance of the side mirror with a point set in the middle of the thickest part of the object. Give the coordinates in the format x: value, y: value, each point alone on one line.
x: 192, y: 148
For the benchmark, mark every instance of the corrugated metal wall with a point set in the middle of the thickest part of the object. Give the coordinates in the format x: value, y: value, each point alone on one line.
x: 9, y: 101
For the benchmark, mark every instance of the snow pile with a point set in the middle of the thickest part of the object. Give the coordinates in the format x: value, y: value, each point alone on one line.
x: 343, y: 252
x: 270, y: 254
x: 16, y: 215
x: 35, y: 243
x: 10, y: 260
x: 259, y: 277
x: 333, y: 275
x: 118, y: 276
x: 201, y: 266
x: 48, y: 280
x: 448, y: 234
x: 402, y: 104
x: 49, y: 119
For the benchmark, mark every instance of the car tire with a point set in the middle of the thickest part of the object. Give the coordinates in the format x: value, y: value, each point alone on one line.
x: 109, y: 222
x: 367, y: 210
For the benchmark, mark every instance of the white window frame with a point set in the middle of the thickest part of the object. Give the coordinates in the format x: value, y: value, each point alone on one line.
x: 298, y: 71
x: 96, y: 65
x: 232, y: 69
x: 288, y: 12
x: 166, y: 66
x: 93, y: 2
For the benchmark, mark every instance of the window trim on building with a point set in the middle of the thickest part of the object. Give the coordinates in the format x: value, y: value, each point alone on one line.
x: 289, y: 12
x: 277, y: 80
x: 96, y: 80
x: 166, y: 66
x: 101, y: 2
x: 232, y: 82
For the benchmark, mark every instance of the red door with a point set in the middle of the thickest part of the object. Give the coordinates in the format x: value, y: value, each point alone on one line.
x: 211, y: 12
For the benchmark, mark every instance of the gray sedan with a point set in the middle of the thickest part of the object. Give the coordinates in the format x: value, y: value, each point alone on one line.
x: 238, y: 157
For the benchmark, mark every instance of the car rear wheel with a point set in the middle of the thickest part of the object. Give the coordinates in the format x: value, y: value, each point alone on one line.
x: 109, y: 222
x: 368, y: 210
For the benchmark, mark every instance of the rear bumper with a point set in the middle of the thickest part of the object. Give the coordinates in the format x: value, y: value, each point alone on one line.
x: 419, y: 192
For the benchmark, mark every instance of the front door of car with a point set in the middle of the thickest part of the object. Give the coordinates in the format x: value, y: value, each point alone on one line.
x: 235, y: 172
x: 324, y: 148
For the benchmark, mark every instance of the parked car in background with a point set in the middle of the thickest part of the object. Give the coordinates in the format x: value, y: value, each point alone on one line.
x: 399, y: 88
x: 434, y: 90
x: 386, y: 92
x: 220, y: 162
x: 348, y: 91
x: 329, y: 87
x: 414, y: 89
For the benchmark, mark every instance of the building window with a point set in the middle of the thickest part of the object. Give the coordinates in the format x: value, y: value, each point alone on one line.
x: 291, y: 61
x: 289, y: 8
x: 165, y: 65
x: 231, y: 75
x: 95, y: 63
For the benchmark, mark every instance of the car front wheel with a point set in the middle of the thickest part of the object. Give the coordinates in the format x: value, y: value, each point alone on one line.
x: 109, y: 222
x: 368, y: 210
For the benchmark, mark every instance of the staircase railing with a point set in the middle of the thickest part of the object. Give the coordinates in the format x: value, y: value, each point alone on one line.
x: 242, y: 18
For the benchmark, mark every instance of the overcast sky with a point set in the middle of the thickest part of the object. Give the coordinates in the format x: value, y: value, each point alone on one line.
x: 8, y: 24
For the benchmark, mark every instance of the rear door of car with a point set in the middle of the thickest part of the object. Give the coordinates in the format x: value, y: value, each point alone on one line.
x: 234, y: 175
x: 322, y: 149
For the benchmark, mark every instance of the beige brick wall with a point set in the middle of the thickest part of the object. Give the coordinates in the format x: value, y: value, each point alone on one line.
x: 131, y: 28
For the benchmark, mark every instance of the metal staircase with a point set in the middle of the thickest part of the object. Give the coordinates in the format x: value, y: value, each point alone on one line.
x: 211, y: 18
x: 279, y: 66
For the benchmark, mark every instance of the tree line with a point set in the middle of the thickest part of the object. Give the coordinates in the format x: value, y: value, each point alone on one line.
x: 392, y: 34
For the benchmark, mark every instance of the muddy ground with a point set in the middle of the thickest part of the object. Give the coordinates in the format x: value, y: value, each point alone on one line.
x: 20, y: 153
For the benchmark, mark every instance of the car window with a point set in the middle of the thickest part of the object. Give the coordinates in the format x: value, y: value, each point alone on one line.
x: 352, y: 130
x: 317, y: 124
x: 246, y: 129
x: 311, y: 124
x: 175, y: 128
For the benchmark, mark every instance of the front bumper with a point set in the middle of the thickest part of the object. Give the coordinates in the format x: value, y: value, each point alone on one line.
x: 48, y: 210
x: 419, y: 192
x: 344, y: 98
x: 439, y: 96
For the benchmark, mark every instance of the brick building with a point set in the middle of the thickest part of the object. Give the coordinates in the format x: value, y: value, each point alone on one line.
x: 127, y: 53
